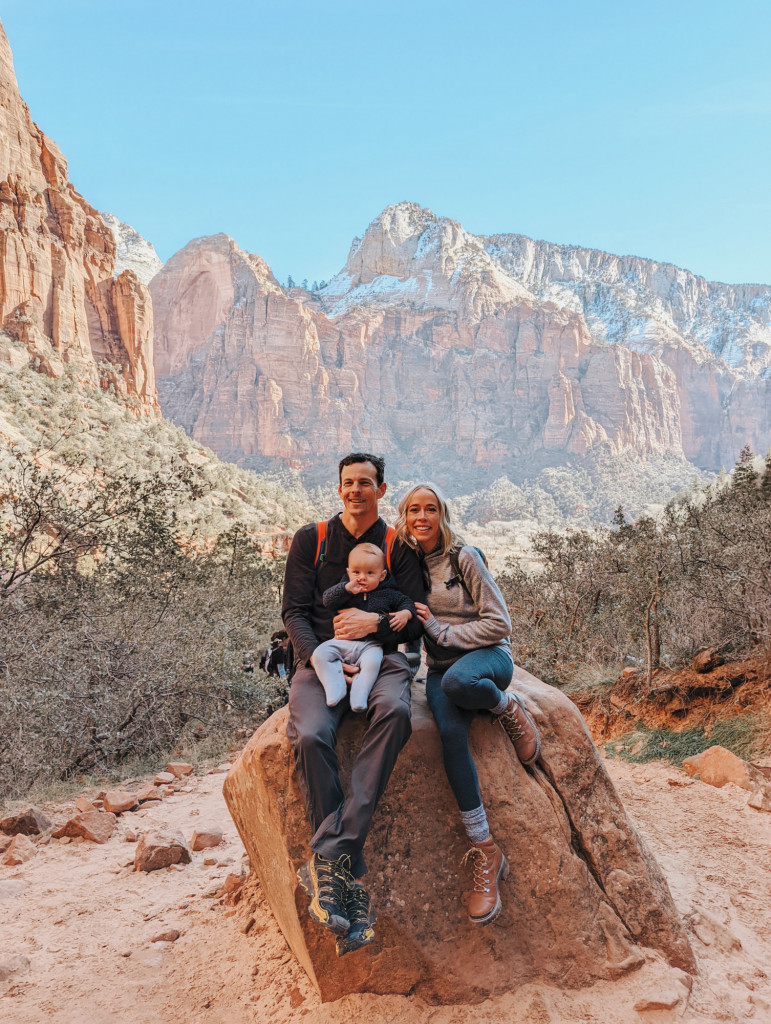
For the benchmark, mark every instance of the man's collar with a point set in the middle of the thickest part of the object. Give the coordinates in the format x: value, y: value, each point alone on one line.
x: 362, y: 536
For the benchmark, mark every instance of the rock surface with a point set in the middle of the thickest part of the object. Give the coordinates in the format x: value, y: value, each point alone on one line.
x: 21, y: 849
x: 206, y: 837
x: 518, y: 348
x: 29, y: 822
x: 705, y: 661
x: 13, y: 966
x: 132, y: 252
x: 161, y: 850
x: 95, y: 826
x: 58, y: 293
x: 116, y: 801
x: 718, y: 766
x: 583, y: 892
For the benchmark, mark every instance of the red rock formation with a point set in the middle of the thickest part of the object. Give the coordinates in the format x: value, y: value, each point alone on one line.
x: 435, y: 345
x: 57, y: 258
x: 583, y: 895
x: 252, y: 370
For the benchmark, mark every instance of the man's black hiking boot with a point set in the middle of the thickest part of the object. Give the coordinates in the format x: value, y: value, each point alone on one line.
x: 362, y: 919
x: 327, y: 883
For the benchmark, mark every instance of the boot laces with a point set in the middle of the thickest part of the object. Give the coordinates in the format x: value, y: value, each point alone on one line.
x: 511, y: 723
x: 334, y: 878
x: 357, y: 904
x: 480, y: 866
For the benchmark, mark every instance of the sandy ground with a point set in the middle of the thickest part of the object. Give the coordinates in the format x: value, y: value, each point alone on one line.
x: 85, y: 921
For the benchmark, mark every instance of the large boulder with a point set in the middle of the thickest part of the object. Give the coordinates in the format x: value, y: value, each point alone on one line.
x: 584, y: 892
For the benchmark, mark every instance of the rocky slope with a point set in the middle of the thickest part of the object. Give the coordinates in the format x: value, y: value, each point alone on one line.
x: 460, y: 356
x: 58, y: 292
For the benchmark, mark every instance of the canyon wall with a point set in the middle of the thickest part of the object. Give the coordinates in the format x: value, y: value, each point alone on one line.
x: 58, y: 292
x: 457, y: 353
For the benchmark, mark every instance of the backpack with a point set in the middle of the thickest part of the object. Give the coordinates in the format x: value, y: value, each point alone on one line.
x: 457, y: 574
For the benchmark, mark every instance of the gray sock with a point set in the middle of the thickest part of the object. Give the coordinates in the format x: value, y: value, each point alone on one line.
x: 501, y: 706
x: 475, y: 824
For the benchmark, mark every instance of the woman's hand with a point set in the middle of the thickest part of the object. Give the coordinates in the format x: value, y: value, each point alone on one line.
x: 424, y: 612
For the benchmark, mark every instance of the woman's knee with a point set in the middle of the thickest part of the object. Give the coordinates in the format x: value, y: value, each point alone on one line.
x: 456, y: 684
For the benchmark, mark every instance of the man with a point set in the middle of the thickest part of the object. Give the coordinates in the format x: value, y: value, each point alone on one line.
x: 340, y: 822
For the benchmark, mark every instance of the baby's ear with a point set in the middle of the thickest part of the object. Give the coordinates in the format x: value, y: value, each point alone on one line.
x: 383, y: 575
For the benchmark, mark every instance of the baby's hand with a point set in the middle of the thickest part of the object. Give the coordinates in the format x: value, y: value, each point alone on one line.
x: 354, y: 587
x: 399, y: 620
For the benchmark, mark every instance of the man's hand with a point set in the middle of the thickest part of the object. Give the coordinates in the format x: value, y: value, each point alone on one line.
x: 424, y: 612
x: 349, y: 671
x: 399, y: 619
x: 353, y: 624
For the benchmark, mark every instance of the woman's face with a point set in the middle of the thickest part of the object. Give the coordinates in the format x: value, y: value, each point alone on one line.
x: 423, y: 515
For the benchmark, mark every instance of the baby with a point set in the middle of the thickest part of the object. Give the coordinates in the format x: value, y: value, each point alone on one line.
x: 369, y: 587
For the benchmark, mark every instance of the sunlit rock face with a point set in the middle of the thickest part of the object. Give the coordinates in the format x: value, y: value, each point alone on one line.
x: 58, y: 289
x: 132, y: 252
x: 443, y: 349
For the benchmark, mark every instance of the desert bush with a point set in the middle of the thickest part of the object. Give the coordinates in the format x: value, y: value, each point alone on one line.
x: 119, y: 633
x: 654, y: 590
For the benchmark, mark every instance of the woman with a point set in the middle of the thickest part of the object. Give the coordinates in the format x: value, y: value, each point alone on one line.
x: 466, y: 634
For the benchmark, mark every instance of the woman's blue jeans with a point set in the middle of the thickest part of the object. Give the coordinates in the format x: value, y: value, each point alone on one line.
x: 473, y: 683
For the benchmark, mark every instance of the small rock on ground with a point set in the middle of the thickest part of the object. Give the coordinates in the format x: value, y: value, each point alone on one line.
x: 160, y: 850
x: 20, y: 850
x: 206, y: 837
x: 118, y: 800
x: 29, y: 822
x: 95, y: 826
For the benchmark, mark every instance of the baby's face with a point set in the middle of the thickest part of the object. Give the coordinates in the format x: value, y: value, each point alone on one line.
x: 366, y: 570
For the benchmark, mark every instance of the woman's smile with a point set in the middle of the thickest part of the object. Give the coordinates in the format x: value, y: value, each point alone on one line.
x: 423, y: 518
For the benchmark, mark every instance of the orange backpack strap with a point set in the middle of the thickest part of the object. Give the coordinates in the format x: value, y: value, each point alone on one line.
x: 388, y: 544
x: 321, y: 543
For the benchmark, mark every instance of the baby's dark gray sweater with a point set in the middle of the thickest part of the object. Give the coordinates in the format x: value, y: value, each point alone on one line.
x: 384, y: 598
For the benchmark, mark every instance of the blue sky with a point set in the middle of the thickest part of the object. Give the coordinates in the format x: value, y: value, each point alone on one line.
x: 636, y: 128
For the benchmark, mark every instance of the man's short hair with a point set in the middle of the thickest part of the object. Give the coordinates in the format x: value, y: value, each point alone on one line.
x: 369, y: 549
x: 355, y: 457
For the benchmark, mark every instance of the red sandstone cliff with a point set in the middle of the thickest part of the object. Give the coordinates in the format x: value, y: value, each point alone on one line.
x: 430, y: 356
x: 57, y: 258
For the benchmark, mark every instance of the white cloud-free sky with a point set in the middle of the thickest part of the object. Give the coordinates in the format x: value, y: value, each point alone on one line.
x: 638, y: 128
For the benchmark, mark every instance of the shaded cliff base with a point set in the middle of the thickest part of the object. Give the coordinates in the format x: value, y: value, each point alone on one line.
x: 85, y: 922
x: 681, y: 713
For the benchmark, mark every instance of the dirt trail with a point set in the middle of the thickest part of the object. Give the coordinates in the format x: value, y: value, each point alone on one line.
x: 85, y: 921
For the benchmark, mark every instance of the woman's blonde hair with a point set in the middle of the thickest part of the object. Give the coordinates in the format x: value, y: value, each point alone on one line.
x: 447, y: 535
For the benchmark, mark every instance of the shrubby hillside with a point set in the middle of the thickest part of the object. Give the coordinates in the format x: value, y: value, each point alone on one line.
x: 136, y: 573
x: 655, y: 589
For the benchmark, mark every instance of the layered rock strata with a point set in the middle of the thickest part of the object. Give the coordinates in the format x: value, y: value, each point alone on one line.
x: 444, y: 349
x: 58, y: 292
x: 584, y: 893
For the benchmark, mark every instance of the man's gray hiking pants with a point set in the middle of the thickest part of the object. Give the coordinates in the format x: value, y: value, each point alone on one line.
x: 341, y: 821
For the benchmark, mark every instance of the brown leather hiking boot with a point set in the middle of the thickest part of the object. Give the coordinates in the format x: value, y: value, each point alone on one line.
x: 521, y: 730
x: 489, y: 867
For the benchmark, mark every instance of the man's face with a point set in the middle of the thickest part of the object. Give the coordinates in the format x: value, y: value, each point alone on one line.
x: 359, y: 489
